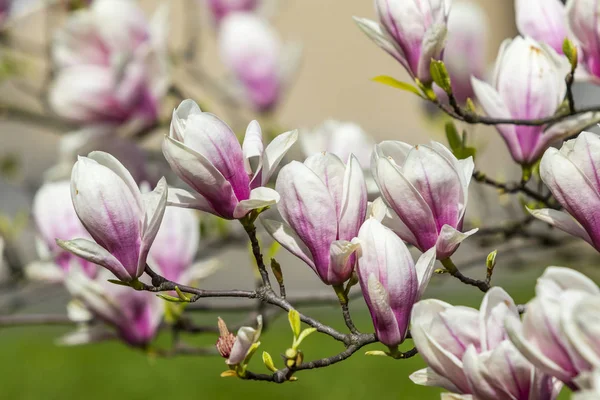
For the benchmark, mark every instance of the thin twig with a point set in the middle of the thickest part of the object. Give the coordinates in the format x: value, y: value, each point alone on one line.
x: 453, y: 270
x: 512, y: 188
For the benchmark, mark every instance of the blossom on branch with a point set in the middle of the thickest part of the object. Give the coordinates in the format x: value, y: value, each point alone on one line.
x: 467, y: 351
x: 426, y: 187
x: 122, y: 221
x: 229, y: 180
x: 390, y: 280
x: 112, y: 65
x: 559, y: 329
x: 323, y: 205
x: 583, y: 19
x: 571, y: 174
x: 222, y: 8
x: 528, y: 83
x: 411, y: 31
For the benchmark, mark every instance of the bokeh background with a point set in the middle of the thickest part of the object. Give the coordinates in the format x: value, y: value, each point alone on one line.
x: 334, y: 81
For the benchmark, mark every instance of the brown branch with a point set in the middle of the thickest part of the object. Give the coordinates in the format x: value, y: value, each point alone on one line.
x: 511, y: 188
x: 453, y: 270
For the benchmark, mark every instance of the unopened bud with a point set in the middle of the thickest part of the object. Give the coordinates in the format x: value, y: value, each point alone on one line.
x: 226, y: 339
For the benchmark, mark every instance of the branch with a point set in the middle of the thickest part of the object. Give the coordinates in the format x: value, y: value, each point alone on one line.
x: 511, y: 188
x: 453, y: 270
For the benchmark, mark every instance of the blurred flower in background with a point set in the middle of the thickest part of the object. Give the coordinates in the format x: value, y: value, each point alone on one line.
x: 112, y: 65
x: 222, y: 8
x: 252, y: 51
x: 55, y: 217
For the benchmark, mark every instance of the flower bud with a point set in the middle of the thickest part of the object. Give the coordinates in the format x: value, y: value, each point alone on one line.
x: 543, y: 20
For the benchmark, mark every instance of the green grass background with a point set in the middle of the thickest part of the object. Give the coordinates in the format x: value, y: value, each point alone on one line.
x: 33, y: 368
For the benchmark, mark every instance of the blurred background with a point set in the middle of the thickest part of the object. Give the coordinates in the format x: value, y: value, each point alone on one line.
x: 333, y: 80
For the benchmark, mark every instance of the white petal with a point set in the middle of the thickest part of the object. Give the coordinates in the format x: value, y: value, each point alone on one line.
x: 253, y: 146
x: 562, y: 221
x: 275, y: 152
x: 96, y: 254
x: 425, y: 267
x: 428, y: 377
x: 115, y: 165
x: 449, y: 239
x: 184, y: 199
x: 154, y: 210
x: 45, y: 271
x: 260, y: 197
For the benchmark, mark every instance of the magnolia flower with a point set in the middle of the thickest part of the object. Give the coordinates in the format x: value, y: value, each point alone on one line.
x: 176, y: 245
x: 543, y: 20
x: 582, y: 19
x: 111, y: 65
x: 122, y: 221
x: 559, y: 330
x: 205, y: 153
x: 427, y: 189
x: 135, y: 315
x: 571, y: 174
x: 390, y: 280
x: 529, y: 83
x: 222, y: 8
x: 55, y: 217
x: 253, y: 53
x: 467, y: 351
x: 323, y: 204
x: 464, y: 55
x: 235, y: 348
x: 411, y: 31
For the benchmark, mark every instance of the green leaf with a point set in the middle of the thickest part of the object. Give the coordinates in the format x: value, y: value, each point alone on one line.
x: 167, y: 297
x: 268, y: 361
x: 294, y: 319
x: 440, y: 75
x: 454, y: 139
x: 570, y: 51
x: 303, y: 335
x: 389, y: 81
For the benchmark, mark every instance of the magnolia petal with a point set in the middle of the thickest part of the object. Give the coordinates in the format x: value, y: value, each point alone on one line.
x: 184, y: 199
x: 494, y: 106
x: 115, y: 165
x: 340, y: 266
x: 154, y: 210
x: 96, y: 254
x: 449, y: 239
x: 275, y: 152
x: 581, y: 324
x: 562, y: 221
x: 260, y: 197
x: 373, y: 30
x: 332, y: 171
x: 428, y: 377
x: 425, y: 267
x: 180, y: 115
x: 198, y: 172
x: 474, y: 371
x: 556, y: 280
x: 354, y: 200
x: 86, y: 335
x: 388, y: 331
x: 496, y: 305
x: 284, y: 235
x: 432, y: 47
x: 514, y: 330
x: 253, y: 146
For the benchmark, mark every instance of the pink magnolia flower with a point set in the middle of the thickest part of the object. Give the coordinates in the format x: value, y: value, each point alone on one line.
x: 135, y: 315
x: 251, y: 50
x: 559, y: 329
x: 222, y: 8
x: 205, y: 153
x: 55, y: 218
x: 175, y: 247
x: 426, y: 188
x: 323, y: 204
x: 235, y: 348
x: 411, y: 31
x: 571, y: 174
x: 544, y: 21
x: 464, y: 54
x: 390, y: 280
x: 111, y: 65
x: 467, y: 351
x: 528, y: 83
x: 582, y: 19
x: 122, y: 221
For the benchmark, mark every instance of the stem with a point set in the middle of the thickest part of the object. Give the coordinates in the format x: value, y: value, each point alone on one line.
x: 453, y: 270
x: 343, y: 299
x: 512, y: 188
x: 250, y: 228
